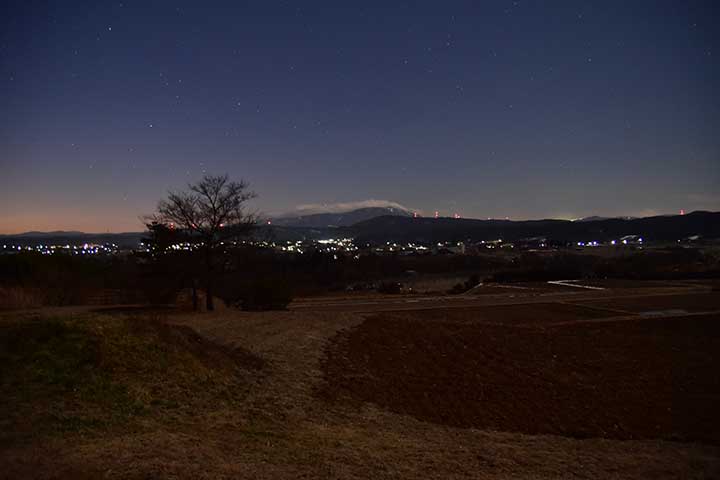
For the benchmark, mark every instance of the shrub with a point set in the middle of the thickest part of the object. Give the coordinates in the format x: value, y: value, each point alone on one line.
x: 470, y: 283
x: 18, y: 297
x: 160, y: 292
x: 389, y: 287
x: 67, y: 295
x: 257, y: 294
x: 536, y: 268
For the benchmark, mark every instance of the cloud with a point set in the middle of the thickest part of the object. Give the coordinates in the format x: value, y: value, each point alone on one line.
x: 311, y: 208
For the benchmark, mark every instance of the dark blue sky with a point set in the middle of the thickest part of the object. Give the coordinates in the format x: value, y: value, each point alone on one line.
x: 488, y: 109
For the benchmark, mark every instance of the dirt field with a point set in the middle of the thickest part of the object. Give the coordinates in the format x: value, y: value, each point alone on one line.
x: 535, y: 314
x: 655, y: 378
x: 541, y: 390
x: 698, y: 302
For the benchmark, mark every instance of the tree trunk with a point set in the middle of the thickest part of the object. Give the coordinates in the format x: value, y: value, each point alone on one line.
x: 194, y: 295
x: 209, y: 304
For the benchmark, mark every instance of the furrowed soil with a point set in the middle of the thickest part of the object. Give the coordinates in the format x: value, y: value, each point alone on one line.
x: 625, y: 379
x: 696, y: 302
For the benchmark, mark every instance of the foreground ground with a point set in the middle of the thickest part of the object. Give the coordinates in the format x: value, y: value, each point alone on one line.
x: 532, y: 382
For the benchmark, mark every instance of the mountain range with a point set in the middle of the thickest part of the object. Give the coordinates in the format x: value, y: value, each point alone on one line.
x: 431, y: 230
x: 387, y: 224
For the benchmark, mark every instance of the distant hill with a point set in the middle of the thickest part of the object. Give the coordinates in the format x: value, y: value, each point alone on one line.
x: 400, y: 226
x: 57, y: 233
x: 430, y: 230
x: 345, y: 219
x: 124, y: 240
x: 595, y: 218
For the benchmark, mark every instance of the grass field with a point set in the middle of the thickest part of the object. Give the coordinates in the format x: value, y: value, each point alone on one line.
x: 543, y: 390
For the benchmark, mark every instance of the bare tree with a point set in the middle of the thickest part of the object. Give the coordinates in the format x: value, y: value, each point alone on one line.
x: 212, y: 211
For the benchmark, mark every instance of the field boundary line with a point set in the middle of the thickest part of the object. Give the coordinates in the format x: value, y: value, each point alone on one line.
x: 626, y: 318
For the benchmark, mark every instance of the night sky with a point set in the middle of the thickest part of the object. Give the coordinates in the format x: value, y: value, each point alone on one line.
x: 524, y: 109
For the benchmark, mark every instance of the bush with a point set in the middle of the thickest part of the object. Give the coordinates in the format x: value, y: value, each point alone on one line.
x: 258, y: 294
x: 62, y: 296
x: 470, y: 283
x: 536, y: 268
x: 389, y: 287
x: 17, y: 297
x: 160, y: 292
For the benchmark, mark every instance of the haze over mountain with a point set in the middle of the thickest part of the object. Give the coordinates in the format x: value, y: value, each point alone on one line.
x: 342, y: 219
x: 342, y: 207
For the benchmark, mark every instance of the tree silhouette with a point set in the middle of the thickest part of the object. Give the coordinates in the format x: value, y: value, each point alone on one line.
x: 211, y: 212
x: 173, y: 268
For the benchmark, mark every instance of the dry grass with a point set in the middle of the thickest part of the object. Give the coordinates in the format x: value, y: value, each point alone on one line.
x: 434, y: 283
x: 281, y: 429
x: 12, y: 298
x: 97, y: 376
